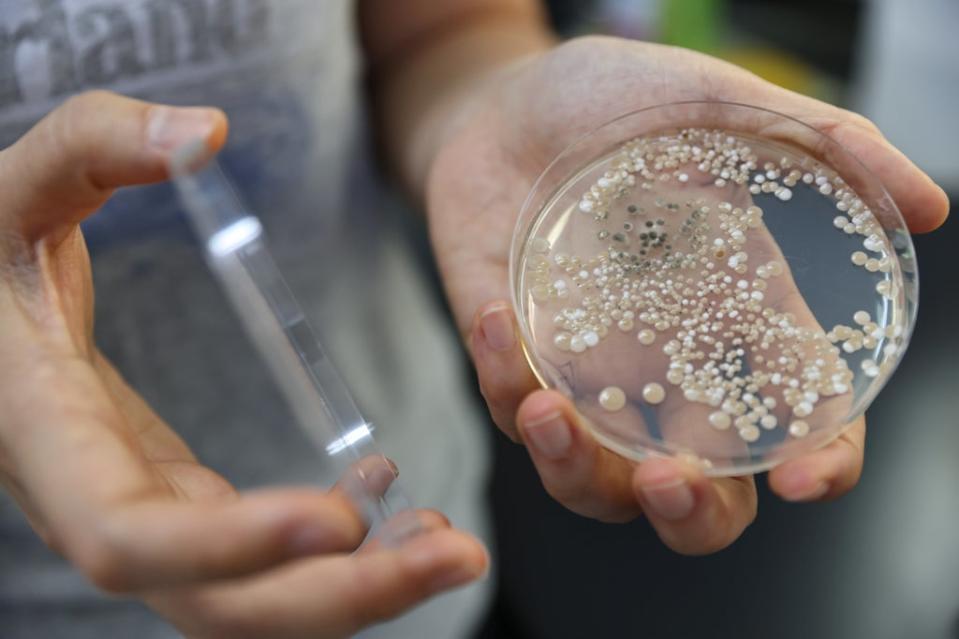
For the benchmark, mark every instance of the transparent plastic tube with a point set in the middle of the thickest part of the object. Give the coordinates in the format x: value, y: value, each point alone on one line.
x: 236, y: 251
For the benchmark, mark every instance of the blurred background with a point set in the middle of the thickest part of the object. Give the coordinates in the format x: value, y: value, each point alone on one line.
x: 882, y: 562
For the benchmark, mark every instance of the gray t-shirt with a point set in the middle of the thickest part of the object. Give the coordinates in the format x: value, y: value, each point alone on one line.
x: 287, y: 75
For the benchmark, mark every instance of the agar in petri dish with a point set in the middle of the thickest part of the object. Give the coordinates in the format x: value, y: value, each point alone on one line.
x: 702, y: 290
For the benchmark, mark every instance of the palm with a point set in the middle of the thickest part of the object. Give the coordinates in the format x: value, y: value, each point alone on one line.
x: 155, y: 462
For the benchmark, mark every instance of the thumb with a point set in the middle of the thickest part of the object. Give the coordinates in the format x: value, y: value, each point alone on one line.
x: 71, y: 161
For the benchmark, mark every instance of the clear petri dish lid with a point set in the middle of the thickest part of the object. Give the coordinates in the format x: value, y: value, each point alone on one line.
x: 715, y: 281
x: 236, y: 250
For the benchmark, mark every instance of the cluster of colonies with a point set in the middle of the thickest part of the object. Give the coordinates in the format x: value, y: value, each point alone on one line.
x: 700, y: 297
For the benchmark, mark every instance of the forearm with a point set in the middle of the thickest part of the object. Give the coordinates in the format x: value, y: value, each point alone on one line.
x: 426, y: 63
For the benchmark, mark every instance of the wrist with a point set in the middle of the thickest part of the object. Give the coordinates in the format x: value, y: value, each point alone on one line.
x: 425, y: 95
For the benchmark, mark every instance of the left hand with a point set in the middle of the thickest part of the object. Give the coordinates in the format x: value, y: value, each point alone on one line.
x: 508, y: 132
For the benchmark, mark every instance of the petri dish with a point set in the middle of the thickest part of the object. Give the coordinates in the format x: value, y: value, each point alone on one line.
x: 715, y: 281
x: 236, y: 250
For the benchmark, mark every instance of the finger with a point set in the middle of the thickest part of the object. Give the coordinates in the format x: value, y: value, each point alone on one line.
x: 691, y: 513
x: 164, y: 543
x: 365, y: 485
x: 408, y: 524
x: 922, y: 202
x: 574, y: 468
x: 369, y: 477
x: 332, y: 597
x: 504, y: 375
x: 823, y: 474
x: 117, y: 518
x: 68, y: 164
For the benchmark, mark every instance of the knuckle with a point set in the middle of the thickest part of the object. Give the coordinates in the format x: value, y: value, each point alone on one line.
x: 101, y: 562
x: 863, y: 122
x: 501, y: 403
x: 67, y: 123
x: 495, y: 391
x: 103, y: 553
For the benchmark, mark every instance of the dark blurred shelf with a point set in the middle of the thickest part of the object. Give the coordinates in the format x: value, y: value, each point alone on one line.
x: 821, y: 32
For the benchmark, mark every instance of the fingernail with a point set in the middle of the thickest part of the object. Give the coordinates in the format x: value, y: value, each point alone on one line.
x: 393, y: 466
x: 169, y: 128
x: 497, y: 326
x: 550, y: 435
x: 671, y: 499
x: 378, y: 479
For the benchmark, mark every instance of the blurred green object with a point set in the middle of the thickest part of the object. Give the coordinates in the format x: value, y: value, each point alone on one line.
x: 695, y: 24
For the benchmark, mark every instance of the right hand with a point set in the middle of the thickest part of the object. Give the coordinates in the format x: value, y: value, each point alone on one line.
x: 104, y: 481
x: 502, y: 136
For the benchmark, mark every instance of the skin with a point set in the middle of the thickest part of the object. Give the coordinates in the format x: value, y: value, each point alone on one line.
x: 471, y: 101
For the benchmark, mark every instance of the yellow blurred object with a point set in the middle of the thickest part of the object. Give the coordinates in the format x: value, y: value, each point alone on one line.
x: 779, y: 68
